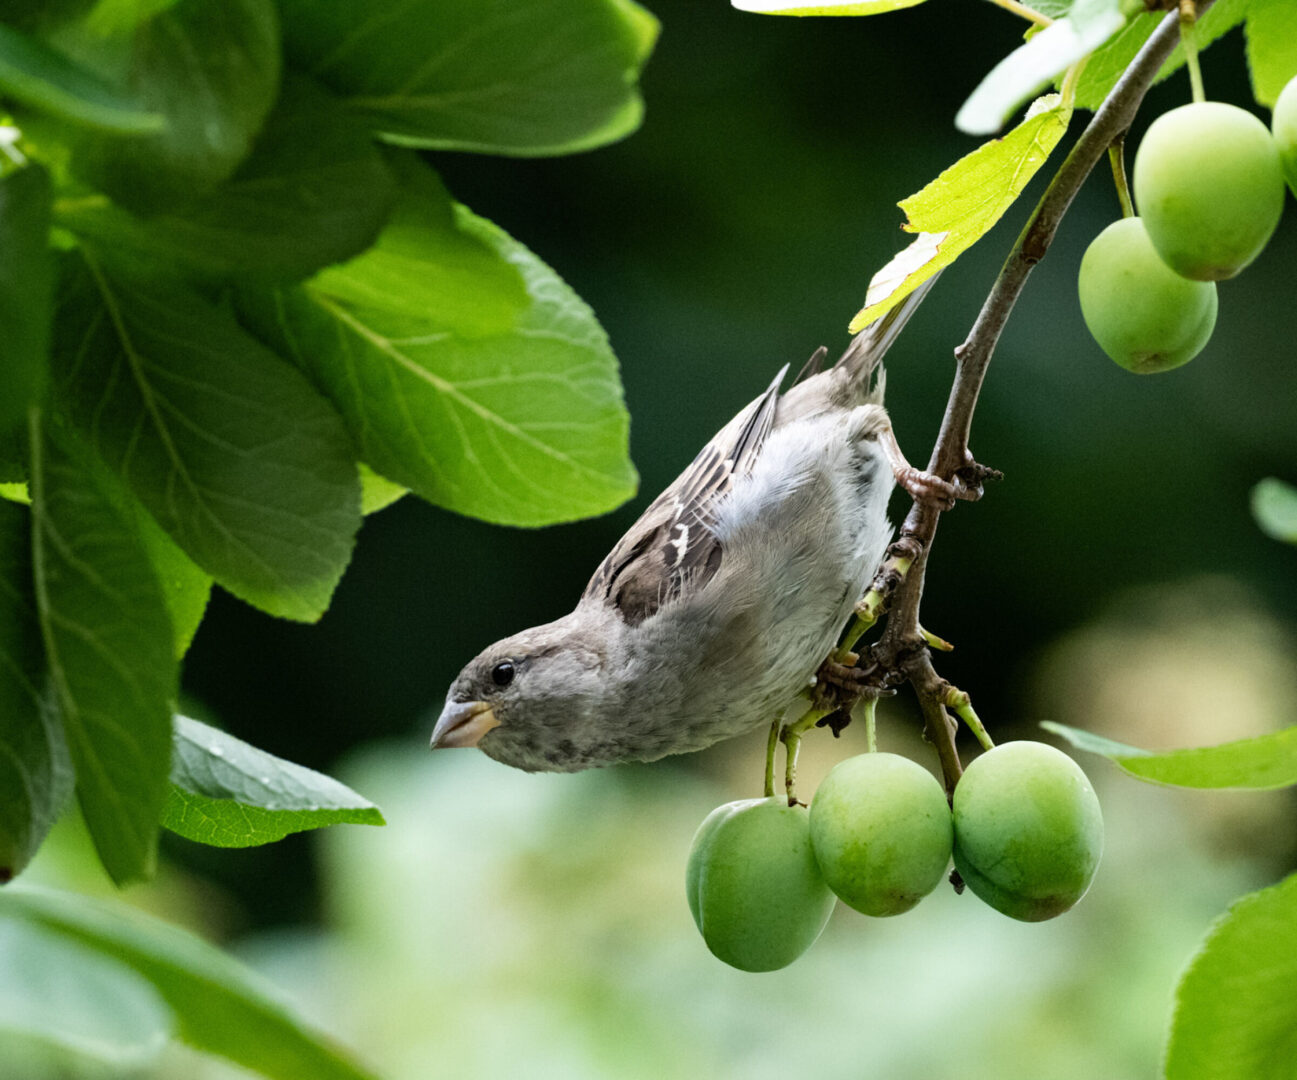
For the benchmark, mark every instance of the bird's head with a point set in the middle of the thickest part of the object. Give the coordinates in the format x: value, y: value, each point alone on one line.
x: 532, y: 701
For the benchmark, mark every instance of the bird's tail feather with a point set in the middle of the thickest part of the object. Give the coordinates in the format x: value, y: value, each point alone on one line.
x: 868, y: 347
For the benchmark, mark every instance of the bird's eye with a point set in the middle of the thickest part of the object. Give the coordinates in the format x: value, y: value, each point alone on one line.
x: 503, y: 672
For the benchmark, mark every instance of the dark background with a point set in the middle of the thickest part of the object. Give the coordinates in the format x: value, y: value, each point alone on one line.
x: 735, y: 233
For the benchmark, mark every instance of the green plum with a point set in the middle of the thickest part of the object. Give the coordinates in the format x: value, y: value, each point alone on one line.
x: 1209, y: 186
x: 1028, y: 830
x: 881, y: 829
x: 1284, y: 125
x: 1145, y: 316
x: 753, y: 885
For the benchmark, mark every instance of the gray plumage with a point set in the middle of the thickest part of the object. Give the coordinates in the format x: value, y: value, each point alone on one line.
x: 719, y: 604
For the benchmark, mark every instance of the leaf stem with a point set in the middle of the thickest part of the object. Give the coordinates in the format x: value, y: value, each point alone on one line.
x: 1030, y: 14
x: 1117, y: 158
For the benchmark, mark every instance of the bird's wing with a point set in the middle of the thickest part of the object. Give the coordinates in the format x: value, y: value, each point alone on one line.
x: 672, y: 547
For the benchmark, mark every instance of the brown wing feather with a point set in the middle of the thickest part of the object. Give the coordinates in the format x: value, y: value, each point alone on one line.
x: 672, y: 545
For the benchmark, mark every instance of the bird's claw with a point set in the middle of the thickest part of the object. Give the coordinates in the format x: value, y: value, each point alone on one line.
x: 926, y: 487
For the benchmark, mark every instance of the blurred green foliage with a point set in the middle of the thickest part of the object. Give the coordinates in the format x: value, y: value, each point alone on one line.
x: 508, y: 925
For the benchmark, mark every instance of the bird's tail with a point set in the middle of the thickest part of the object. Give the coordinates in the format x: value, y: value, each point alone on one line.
x: 867, y: 348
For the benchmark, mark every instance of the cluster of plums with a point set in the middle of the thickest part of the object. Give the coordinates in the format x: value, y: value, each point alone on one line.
x: 1209, y: 188
x: 1024, y: 830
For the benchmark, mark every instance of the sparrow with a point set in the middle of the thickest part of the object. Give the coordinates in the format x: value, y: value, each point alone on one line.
x: 715, y: 610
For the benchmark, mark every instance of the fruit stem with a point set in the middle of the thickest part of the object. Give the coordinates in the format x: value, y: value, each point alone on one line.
x: 771, y: 744
x: 1030, y: 14
x: 792, y: 739
x: 1188, y: 41
x: 963, y: 705
x: 1117, y: 157
x: 934, y: 642
x: 871, y: 734
x: 873, y: 605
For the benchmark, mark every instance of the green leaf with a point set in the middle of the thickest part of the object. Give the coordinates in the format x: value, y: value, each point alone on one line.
x: 108, y: 644
x: 1271, y: 47
x: 229, y: 794
x: 220, y: 1006
x: 377, y: 492
x: 1236, y: 1013
x: 122, y: 16
x: 1274, y: 505
x: 1260, y: 763
x: 521, y: 77
x: 823, y: 7
x: 1031, y: 66
x: 16, y: 493
x: 35, y: 773
x: 508, y: 412
x: 963, y: 203
x: 40, y: 76
x: 63, y: 994
x: 185, y: 587
x: 315, y: 191
x: 245, y: 466
x: 1106, y: 65
x: 211, y: 67
x: 26, y: 292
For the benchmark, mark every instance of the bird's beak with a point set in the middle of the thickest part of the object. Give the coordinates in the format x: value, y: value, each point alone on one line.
x: 463, y: 723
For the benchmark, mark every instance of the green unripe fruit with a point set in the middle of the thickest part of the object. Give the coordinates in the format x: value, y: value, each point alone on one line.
x: 1209, y: 187
x: 1028, y: 831
x: 755, y: 891
x: 1145, y: 316
x: 1284, y: 125
x: 880, y: 826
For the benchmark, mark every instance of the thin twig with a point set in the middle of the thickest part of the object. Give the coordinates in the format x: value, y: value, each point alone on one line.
x: 901, y: 645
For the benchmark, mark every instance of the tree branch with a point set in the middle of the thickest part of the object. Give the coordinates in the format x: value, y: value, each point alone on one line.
x: 901, y: 644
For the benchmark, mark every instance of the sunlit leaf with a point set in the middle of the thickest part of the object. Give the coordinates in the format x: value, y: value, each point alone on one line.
x: 59, y: 992
x: 108, y: 644
x: 963, y: 203
x: 1107, y: 64
x: 220, y: 1006
x: 233, y: 452
x: 1236, y: 1013
x: 1271, y: 47
x: 1261, y: 763
x: 35, y: 774
x: 185, y: 587
x: 44, y: 78
x: 120, y: 16
x: 823, y: 7
x: 211, y: 67
x: 377, y: 492
x: 466, y: 369
x: 26, y: 292
x: 1274, y: 505
x: 229, y: 794
x: 1031, y: 66
x: 558, y: 75
x: 313, y: 192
